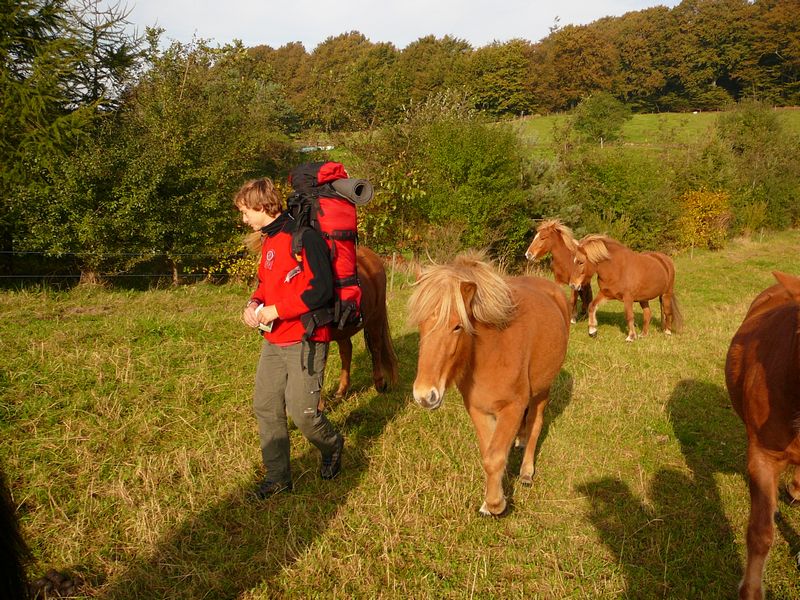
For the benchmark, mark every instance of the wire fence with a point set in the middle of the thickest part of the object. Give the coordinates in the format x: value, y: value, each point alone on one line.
x: 73, y: 271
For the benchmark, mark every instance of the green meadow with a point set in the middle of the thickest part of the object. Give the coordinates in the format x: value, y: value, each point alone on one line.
x: 127, y: 436
x: 652, y: 130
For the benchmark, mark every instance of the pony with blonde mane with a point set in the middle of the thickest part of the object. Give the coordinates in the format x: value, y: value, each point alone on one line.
x: 553, y: 237
x: 501, y: 341
x: 628, y: 276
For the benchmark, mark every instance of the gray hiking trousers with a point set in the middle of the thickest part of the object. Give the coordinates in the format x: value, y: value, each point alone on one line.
x: 289, y: 380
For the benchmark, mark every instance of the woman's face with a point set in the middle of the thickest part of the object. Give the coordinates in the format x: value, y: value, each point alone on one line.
x: 255, y: 218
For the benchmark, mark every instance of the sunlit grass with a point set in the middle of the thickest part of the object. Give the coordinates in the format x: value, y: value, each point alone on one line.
x: 128, y: 438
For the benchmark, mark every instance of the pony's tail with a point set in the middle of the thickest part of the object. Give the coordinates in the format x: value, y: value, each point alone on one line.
x: 388, y: 357
x: 379, y: 344
x: 13, y: 550
x: 677, y: 317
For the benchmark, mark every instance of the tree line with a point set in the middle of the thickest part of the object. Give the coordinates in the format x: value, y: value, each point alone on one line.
x: 700, y: 55
x: 118, y: 152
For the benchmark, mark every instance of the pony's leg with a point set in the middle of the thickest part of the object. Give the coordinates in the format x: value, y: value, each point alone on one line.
x: 628, y: 301
x: 666, y: 313
x: 495, y: 458
x: 346, y: 356
x: 647, y: 314
x: 599, y: 299
x: 574, y: 303
x: 534, y: 423
x: 763, y: 473
x: 586, y: 297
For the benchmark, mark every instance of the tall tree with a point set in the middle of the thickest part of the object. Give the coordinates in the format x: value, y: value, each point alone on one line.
x: 159, y: 178
x: 572, y: 63
x: 326, y: 73
x: 771, y: 69
x: 49, y: 104
x: 430, y: 65
x: 500, y: 79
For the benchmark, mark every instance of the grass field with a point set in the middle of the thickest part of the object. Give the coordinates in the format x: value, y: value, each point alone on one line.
x: 647, y: 130
x: 127, y: 435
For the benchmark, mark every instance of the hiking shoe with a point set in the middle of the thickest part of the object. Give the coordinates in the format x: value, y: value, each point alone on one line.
x: 267, y: 489
x: 331, y: 465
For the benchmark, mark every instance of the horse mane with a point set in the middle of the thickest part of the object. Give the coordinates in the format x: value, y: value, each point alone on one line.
x: 595, y: 248
x: 565, y: 232
x: 438, y: 293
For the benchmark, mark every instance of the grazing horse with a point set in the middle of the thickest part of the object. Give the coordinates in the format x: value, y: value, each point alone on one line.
x: 556, y: 238
x: 374, y: 322
x: 629, y: 276
x: 502, y: 342
x: 762, y: 372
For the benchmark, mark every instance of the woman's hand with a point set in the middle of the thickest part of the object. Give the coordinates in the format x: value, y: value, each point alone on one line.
x: 266, y: 314
x: 249, y: 315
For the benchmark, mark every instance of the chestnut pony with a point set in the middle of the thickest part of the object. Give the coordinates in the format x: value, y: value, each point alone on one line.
x: 629, y: 276
x: 375, y: 323
x: 502, y: 342
x: 762, y: 372
x: 556, y: 238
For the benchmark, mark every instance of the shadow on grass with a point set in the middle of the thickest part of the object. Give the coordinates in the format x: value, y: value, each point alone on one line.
x: 238, y: 542
x: 679, y: 544
x: 615, y: 315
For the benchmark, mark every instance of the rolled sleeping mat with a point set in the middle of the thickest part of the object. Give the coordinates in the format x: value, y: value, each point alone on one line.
x: 358, y: 191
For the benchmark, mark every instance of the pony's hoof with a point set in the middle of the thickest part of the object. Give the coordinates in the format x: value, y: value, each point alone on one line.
x: 485, y: 512
x: 381, y: 387
x: 573, y: 320
x: 526, y: 480
x: 592, y: 334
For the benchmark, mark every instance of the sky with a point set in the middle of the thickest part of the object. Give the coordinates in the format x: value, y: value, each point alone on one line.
x: 276, y: 23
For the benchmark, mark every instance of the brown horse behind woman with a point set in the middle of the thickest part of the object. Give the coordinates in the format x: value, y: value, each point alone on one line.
x: 501, y: 342
x: 762, y: 373
x: 629, y: 276
x: 556, y: 238
x: 374, y: 322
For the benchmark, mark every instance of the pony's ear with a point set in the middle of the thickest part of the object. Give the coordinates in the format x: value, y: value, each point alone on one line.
x: 468, y: 289
x: 790, y: 282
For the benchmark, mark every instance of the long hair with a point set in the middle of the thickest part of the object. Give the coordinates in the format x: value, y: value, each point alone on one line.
x: 565, y: 232
x: 438, y: 293
x: 594, y: 246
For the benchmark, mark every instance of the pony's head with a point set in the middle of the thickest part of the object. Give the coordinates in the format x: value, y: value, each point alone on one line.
x: 548, y: 235
x: 590, y: 251
x: 447, y: 304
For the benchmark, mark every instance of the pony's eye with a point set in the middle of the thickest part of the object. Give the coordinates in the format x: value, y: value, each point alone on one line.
x: 457, y: 328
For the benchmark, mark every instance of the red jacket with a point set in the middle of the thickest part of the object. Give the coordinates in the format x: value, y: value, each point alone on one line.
x: 294, y: 287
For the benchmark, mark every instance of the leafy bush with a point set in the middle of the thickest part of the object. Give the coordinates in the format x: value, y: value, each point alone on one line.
x: 445, y: 166
x: 705, y: 218
x: 766, y: 166
x: 626, y: 194
x: 600, y: 117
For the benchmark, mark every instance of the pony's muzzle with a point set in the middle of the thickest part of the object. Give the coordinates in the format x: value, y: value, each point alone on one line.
x: 430, y: 399
x: 575, y: 286
x: 529, y: 256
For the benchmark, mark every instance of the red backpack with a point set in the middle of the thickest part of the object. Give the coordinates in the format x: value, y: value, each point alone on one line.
x: 325, y: 199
